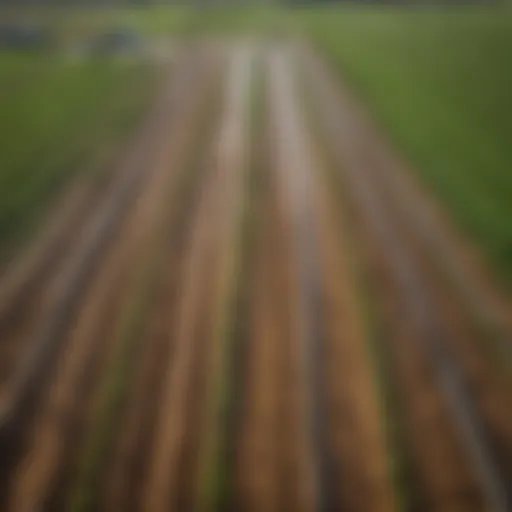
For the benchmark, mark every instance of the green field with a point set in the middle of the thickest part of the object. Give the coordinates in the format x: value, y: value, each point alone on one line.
x: 440, y: 83
x: 57, y: 117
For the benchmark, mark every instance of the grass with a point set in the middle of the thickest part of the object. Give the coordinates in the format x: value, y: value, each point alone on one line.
x: 439, y: 82
x: 15, y: 68
x: 54, y: 116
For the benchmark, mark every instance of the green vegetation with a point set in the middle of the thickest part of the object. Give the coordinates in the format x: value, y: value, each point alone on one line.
x: 55, y: 117
x: 440, y: 82
x: 14, y: 68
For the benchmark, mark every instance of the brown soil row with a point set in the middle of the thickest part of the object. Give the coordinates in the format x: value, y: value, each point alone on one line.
x: 254, y: 482
x: 232, y: 161
x: 271, y: 447
x: 176, y: 468
x: 257, y: 481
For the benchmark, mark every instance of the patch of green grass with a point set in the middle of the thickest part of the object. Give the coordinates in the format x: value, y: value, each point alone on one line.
x: 53, y: 119
x: 15, y: 67
x: 439, y: 82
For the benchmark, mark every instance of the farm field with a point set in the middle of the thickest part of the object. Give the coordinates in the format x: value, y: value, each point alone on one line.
x: 439, y: 83
x: 59, y: 118
x: 237, y: 277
